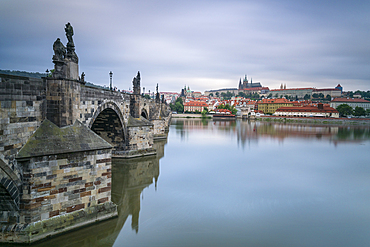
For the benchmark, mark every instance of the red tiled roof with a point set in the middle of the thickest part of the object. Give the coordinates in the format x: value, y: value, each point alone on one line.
x: 256, y: 88
x: 223, y: 110
x: 326, y: 89
x: 274, y: 101
x: 350, y: 100
x: 195, y: 103
x: 308, y: 108
x: 292, y: 89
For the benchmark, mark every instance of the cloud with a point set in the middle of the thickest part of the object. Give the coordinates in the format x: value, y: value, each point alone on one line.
x: 204, y: 44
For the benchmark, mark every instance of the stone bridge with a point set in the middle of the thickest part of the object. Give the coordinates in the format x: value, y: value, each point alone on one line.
x: 58, y: 135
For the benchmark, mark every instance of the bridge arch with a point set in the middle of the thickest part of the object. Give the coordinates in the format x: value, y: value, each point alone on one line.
x: 108, y: 123
x: 9, y: 187
x: 144, y: 114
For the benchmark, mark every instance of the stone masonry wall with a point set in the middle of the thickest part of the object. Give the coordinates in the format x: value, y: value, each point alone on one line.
x: 140, y: 137
x: 22, y: 109
x: 92, y: 98
x: 59, y: 184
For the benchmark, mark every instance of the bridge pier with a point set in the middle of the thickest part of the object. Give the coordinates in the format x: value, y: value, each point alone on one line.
x: 66, y: 183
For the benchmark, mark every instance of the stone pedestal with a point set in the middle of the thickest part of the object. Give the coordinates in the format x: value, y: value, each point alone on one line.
x: 72, y: 72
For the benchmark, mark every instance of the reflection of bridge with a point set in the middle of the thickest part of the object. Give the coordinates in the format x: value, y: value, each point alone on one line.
x: 128, y: 182
x: 57, y: 139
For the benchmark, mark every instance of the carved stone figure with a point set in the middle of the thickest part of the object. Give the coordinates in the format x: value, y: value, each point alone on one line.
x: 69, y: 33
x: 83, y: 76
x: 136, y: 83
x: 71, y: 55
x: 157, y: 97
x: 59, y: 50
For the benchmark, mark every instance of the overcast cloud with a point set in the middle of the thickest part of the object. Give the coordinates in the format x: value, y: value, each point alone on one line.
x: 203, y: 44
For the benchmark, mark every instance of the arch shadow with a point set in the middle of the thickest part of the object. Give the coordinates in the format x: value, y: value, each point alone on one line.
x: 108, y: 123
x: 144, y: 114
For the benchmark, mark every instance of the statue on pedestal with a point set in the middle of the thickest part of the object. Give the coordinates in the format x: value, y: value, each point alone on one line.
x: 70, y: 45
x: 157, y: 98
x: 69, y: 33
x: 136, y: 83
x: 59, y: 50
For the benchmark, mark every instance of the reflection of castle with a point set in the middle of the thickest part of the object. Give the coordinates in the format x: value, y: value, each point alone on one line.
x: 251, y: 130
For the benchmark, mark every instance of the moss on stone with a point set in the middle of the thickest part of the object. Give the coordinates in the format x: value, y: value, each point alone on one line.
x: 50, y: 139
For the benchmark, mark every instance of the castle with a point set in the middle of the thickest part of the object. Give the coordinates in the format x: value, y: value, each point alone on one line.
x: 246, y: 84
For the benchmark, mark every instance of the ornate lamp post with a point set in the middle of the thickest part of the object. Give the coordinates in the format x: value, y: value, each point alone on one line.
x: 110, y: 76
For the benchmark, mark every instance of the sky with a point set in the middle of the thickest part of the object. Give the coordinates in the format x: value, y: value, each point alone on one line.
x: 202, y: 44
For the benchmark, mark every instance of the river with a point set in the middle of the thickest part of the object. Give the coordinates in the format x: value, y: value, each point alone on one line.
x: 240, y: 183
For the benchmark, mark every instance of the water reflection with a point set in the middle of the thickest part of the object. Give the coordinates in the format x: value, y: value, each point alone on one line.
x: 248, y: 132
x: 129, y: 178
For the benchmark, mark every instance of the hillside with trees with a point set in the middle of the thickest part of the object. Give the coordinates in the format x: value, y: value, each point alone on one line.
x: 23, y: 73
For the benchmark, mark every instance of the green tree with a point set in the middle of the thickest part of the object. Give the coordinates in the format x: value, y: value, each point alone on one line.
x: 315, y: 95
x: 179, y: 99
x: 359, y: 111
x: 306, y: 97
x: 211, y: 95
x: 344, y: 110
x: 179, y: 107
x: 328, y: 97
x: 269, y: 96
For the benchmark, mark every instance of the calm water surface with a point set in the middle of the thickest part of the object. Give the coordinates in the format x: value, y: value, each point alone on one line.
x: 219, y: 183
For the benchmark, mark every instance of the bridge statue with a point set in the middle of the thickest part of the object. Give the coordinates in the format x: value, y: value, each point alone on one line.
x: 59, y: 50
x: 70, y: 45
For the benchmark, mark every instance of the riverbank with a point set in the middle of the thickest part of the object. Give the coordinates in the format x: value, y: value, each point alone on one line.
x: 318, y: 120
x: 189, y: 115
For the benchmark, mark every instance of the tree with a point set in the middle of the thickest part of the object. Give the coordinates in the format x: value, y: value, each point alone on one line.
x: 269, y: 96
x: 242, y: 94
x: 344, y: 110
x: 211, y: 95
x: 359, y: 111
x: 228, y: 107
x: 321, y: 95
x: 328, y: 97
x: 179, y: 99
x: 179, y: 107
x: 217, y: 94
x: 227, y: 95
x: 306, y: 97
x: 315, y: 95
